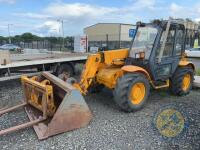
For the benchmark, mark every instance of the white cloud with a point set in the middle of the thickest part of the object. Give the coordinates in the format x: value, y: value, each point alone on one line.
x: 76, y: 16
x: 144, y: 4
x: 47, y: 28
x: 176, y: 8
x: 32, y: 15
x: 82, y: 10
x: 77, y: 10
x: 197, y: 19
x: 8, y: 1
x: 180, y: 11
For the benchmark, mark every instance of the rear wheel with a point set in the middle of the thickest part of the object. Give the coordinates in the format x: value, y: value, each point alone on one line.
x: 131, y: 91
x: 2, y: 73
x: 181, y: 82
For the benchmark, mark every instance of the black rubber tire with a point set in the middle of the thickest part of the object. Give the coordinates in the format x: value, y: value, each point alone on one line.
x: 65, y: 68
x: 3, y: 73
x: 177, y: 79
x: 123, y: 88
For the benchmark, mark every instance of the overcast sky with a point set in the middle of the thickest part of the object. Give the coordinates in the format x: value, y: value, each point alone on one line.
x: 40, y: 16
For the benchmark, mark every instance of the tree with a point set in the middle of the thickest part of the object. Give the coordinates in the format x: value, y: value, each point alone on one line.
x: 16, y: 39
x: 29, y: 37
x: 3, y: 40
x: 52, y: 39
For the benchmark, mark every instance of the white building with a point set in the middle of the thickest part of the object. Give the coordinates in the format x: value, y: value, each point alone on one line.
x: 110, y: 35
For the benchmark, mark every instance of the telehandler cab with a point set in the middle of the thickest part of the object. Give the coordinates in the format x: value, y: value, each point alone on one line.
x: 156, y: 59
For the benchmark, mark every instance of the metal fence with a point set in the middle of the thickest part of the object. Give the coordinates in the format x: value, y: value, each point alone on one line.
x: 52, y: 46
x: 44, y: 44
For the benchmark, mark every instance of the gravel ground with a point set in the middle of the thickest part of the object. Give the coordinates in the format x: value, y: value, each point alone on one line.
x: 110, y: 127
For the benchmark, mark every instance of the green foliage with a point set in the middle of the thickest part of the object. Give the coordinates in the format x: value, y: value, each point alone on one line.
x: 3, y: 39
x: 53, y: 40
x: 198, y: 71
x: 28, y: 37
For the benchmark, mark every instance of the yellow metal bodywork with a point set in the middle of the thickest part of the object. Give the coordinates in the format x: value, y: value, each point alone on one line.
x: 115, y: 57
x: 37, y: 92
x: 132, y: 68
x: 184, y: 62
x: 108, y: 76
x: 102, y: 68
x: 106, y: 67
x: 88, y: 75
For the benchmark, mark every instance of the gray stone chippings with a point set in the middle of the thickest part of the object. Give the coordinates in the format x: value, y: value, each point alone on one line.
x: 110, y: 128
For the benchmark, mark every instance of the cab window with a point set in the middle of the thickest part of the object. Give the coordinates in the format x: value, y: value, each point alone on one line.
x: 179, y: 42
x: 169, y: 43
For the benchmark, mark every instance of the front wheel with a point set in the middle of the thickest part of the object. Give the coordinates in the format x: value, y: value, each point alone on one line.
x: 131, y: 91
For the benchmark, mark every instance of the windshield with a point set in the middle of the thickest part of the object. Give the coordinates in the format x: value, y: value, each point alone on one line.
x: 144, y: 41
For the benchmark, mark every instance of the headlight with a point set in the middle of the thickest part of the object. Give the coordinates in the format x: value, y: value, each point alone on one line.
x: 140, y: 55
x: 137, y: 55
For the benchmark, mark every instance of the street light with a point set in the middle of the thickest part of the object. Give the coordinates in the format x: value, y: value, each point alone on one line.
x: 63, y: 34
x: 9, y: 33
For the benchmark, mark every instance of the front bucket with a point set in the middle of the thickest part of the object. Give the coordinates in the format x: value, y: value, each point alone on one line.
x: 52, y: 105
x: 73, y: 113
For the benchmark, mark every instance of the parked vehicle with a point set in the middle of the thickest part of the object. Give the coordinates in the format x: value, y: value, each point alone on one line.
x: 193, y: 52
x: 11, y: 47
x: 60, y: 62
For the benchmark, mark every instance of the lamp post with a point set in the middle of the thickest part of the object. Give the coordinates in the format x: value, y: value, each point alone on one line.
x: 63, y: 34
x: 9, y: 33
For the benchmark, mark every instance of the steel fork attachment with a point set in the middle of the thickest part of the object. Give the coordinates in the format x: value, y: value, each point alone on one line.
x: 52, y: 105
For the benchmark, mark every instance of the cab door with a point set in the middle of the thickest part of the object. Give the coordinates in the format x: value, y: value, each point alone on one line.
x: 164, y: 69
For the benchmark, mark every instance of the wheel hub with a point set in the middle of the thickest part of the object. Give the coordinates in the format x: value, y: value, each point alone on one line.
x: 137, y: 93
x: 186, y: 82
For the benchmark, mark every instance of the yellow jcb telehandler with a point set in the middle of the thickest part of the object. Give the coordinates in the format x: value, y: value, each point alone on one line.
x: 156, y: 59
